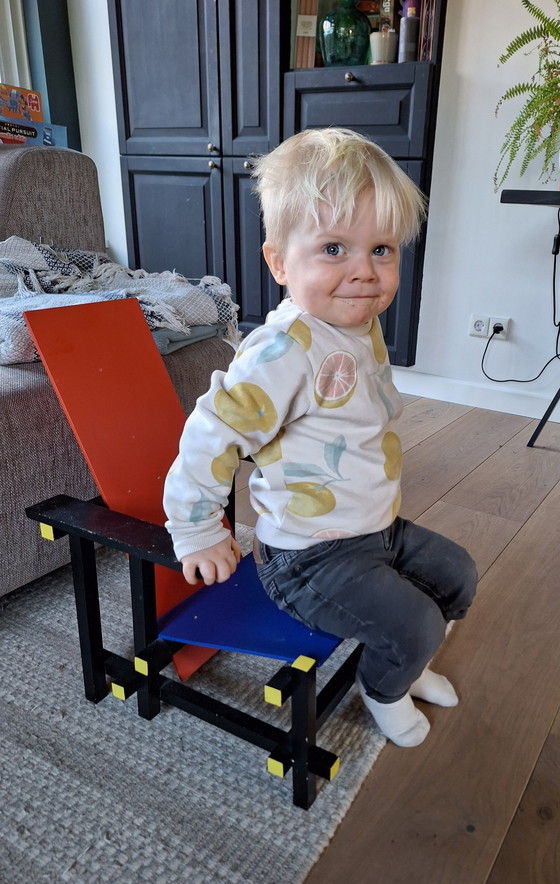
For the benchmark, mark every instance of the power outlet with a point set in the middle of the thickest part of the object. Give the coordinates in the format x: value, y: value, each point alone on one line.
x: 482, y: 326
x: 478, y: 325
x: 503, y: 335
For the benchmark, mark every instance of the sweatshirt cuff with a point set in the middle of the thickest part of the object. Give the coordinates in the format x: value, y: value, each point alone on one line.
x: 184, y: 546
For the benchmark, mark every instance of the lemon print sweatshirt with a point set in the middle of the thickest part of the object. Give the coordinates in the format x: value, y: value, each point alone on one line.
x: 314, y: 405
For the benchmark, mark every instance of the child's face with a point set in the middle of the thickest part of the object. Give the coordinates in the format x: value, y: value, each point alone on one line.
x: 344, y: 275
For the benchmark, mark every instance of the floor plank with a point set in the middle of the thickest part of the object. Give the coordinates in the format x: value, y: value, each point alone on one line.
x: 424, y: 417
x: 462, y: 446
x: 531, y: 851
x: 512, y: 482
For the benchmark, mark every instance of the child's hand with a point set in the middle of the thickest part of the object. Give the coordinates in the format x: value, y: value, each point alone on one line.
x: 215, y: 564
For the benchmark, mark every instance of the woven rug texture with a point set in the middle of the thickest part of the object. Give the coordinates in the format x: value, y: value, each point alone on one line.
x: 93, y: 793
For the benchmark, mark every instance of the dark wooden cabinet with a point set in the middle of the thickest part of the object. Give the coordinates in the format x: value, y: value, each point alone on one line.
x: 198, y: 87
x: 202, y: 87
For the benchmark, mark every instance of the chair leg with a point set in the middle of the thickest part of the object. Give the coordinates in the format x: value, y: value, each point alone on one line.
x: 86, y: 593
x: 144, y: 626
x: 304, y: 730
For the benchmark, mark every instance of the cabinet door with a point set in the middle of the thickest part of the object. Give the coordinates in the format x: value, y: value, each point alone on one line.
x: 246, y: 271
x: 166, y: 75
x: 387, y: 103
x: 400, y: 321
x: 173, y: 210
x: 251, y: 41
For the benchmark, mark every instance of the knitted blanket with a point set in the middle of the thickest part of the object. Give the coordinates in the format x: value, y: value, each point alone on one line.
x: 44, y: 277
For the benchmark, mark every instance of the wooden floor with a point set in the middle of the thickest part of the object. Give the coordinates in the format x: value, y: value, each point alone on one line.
x: 479, y: 800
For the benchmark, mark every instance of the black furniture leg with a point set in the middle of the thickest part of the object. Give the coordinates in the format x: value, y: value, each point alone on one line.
x: 304, y: 730
x: 144, y: 626
x: 544, y: 419
x: 86, y: 593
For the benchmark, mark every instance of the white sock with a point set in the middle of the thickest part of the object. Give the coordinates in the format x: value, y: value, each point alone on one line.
x: 434, y: 688
x: 400, y: 722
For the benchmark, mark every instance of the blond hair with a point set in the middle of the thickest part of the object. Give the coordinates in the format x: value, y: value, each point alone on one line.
x: 332, y: 168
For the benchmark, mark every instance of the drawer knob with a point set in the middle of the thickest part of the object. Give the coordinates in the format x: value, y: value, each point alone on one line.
x: 211, y: 164
x: 212, y: 147
x: 247, y: 165
x: 349, y: 76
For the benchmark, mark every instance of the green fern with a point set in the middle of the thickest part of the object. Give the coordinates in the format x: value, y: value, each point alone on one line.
x: 535, y: 132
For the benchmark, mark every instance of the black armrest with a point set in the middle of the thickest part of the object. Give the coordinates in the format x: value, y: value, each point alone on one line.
x: 93, y: 521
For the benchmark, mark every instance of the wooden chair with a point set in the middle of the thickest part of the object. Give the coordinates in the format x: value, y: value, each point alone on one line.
x: 125, y: 414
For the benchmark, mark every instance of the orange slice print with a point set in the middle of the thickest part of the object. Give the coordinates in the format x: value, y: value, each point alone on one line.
x: 334, y: 533
x: 336, y: 379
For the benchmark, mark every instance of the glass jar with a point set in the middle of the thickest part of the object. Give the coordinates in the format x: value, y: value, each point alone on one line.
x: 344, y: 35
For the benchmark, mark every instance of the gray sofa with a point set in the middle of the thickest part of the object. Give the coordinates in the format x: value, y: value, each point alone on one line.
x: 51, y: 195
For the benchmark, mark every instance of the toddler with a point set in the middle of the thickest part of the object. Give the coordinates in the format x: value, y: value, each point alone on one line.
x: 310, y: 398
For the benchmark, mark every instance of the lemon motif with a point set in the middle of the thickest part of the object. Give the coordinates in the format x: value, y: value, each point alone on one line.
x: 224, y: 466
x: 301, y: 333
x: 271, y: 452
x: 377, y: 341
x: 336, y: 379
x: 246, y: 408
x: 309, y: 499
x: 391, y: 446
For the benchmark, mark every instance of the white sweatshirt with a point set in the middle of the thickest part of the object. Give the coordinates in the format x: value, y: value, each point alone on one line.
x: 315, y: 406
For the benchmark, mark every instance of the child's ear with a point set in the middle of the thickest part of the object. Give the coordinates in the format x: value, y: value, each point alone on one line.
x: 275, y: 262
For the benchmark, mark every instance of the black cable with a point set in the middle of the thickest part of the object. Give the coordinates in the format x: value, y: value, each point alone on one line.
x: 555, y: 321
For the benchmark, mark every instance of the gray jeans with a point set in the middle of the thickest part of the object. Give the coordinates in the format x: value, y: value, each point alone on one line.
x: 395, y: 591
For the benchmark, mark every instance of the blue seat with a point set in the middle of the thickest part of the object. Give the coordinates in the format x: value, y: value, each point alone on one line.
x: 239, y: 616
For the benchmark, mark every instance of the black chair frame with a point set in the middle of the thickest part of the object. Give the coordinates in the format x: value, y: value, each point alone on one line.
x: 88, y: 524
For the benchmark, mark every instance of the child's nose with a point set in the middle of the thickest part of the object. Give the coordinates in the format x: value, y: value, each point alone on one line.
x: 363, y: 268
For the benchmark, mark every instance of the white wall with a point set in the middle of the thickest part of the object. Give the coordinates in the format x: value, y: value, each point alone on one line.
x: 481, y: 256
x: 93, y: 71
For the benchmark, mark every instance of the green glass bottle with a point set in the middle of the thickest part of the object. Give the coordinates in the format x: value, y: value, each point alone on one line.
x: 344, y: 35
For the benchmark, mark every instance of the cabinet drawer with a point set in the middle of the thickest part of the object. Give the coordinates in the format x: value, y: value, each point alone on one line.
x: 387, y: 103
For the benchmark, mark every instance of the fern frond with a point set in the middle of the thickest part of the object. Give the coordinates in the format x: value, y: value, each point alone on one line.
x: 551, y: 25
x: 522, y: 40
x: 517, y: 91
x: 535, y: 132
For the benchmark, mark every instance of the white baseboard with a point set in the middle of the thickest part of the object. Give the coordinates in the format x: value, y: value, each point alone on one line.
x: 478, y: 395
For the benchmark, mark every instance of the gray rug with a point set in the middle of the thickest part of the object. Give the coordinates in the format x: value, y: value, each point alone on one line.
x: 94, y: 794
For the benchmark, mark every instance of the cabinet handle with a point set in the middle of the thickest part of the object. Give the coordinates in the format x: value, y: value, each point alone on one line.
x: 212, y: 147
x: 247, y: 165
x: 349, y: 76
x: 211, y: 164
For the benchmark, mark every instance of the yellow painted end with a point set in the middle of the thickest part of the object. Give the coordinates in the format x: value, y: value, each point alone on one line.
x: 118, y: 691
x: 141, y: 666
x: 335, y: 767
x: 306, y: 664
x: 275, y: 767
x: 47, y: 531
x: 272, y: 695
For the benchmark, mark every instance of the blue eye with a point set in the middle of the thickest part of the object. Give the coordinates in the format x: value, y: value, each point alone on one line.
x: 333, y: 249
x: 380, y: 251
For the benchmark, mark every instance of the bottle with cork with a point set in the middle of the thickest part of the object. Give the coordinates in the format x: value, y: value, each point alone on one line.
x: 409, y: 31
